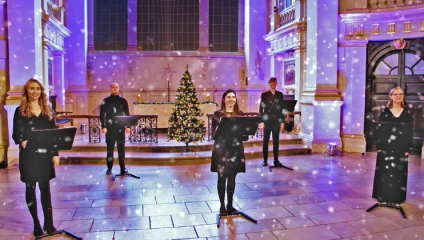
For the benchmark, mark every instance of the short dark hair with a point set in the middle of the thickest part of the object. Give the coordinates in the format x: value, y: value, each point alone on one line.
x: 273, y: 79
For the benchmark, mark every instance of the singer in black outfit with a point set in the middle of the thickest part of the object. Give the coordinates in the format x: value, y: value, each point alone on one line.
x: 391, y: 171
x: 271, y: 123
x: 228, y: 157
x: 112, y: 106
x: 35, y: 113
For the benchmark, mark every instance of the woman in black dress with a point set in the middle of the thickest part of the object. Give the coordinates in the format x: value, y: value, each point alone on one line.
x: 228, y: 154
x: 35, y: 113
x: 391, y: 172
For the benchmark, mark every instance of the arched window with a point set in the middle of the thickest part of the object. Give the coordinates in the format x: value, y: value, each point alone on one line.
x: 388, y: 66
x: 414, y: 65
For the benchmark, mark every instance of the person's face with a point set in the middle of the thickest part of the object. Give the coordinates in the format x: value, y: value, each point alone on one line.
x: 114, y: 89
x: 33, y: 91
x: 272, y: 84
x: 397, y: 96
x: 230, y: 99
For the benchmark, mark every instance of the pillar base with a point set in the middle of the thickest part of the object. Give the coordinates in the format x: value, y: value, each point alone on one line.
x: 354, y: 143
x: 320, y: 145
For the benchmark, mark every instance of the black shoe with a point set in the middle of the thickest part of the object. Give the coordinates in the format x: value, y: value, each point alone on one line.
x: 37, y: 230
x: 123, y: 172
x: 109, y: 171
x: 231, y: 210
x: 277, y: 163
x: 223, y: 211
x: 264, y: 163
x: 45, y: 227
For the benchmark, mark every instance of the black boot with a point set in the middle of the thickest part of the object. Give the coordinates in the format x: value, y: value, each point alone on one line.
x: 222, y: 210
x: 37, y: 229
x: 46, y: 227
x: 277, y: 163
x: 265, y: 163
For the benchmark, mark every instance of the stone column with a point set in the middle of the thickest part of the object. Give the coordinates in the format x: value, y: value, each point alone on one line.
x: 203, y: 25
x: 321, y: 100
x: 59, y: 79
x: 4, y: 142
x: 353, y: 78
x: 132, y: 26
x: 299, y: 78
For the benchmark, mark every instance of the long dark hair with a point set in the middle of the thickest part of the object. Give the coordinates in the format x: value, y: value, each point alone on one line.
x: 223, y: 108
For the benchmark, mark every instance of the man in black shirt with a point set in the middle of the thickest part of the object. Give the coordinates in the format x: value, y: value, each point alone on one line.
x: 271, y: 122
x: 112, y: 106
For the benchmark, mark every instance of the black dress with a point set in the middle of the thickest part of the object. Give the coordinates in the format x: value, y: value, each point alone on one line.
x: 391, y: 171
x: 33, y: 166
x: 224, y: 150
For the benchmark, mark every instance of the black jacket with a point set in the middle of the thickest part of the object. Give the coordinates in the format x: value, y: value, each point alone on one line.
x: 110, y: 107
x: 267, y: 108
x: 33, y: 166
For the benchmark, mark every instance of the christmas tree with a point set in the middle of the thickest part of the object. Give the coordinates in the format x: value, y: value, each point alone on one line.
x: 185, y: 124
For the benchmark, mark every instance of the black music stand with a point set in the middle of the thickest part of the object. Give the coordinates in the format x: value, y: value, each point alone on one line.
x: 391, y: 137
x: 126, y: 121
x: 235, y: 127
x: 277, y: 111
x: 52, y: 140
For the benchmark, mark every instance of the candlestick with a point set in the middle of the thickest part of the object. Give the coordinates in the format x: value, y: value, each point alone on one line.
x: 208, y: 98
x: 138, y: 98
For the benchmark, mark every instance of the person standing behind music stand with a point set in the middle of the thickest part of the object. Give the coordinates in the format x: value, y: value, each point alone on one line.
x: 228, y: 157
x: 112, y: 106
x: 391, y: 172
x: 271, y: 123
x: 35, y: 113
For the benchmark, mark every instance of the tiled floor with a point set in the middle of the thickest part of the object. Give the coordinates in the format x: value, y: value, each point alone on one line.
x: 323, y: 198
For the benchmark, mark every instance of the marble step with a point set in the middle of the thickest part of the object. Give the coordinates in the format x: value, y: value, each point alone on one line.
x: 166, y: 158
x: 171, y: 146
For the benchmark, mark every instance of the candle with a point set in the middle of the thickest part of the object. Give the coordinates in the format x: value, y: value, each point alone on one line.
x: 208, y: 98
x: 138, y: 98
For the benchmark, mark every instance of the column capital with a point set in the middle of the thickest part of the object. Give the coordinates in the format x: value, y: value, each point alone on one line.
x: 299, y: 49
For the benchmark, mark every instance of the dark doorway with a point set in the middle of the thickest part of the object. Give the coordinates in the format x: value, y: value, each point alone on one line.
x: 388, y: 67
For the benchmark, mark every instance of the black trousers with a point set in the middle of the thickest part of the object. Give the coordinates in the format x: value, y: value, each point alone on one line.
x: 115, y: 135
x: 31, y: 199
x: 275, y: 129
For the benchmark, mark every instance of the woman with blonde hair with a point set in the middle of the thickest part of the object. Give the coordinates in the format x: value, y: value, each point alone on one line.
x: 35, y: 113
x: 391, y: 172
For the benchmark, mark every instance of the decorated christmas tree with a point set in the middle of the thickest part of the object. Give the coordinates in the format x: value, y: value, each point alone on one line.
x: 185, y: 124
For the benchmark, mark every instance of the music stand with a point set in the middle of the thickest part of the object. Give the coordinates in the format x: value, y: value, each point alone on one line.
x: 48, y: 140
x: 235, y: 127
x: 392, y: 136
x: 277, y: 111
x: 126, y: 121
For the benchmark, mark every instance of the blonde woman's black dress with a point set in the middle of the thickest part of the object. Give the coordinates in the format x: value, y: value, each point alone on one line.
x: 391, y: 171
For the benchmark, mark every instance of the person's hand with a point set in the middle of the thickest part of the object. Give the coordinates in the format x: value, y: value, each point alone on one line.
x: 406, y: 154
x: 261, y: 125
x: 24, y: 143
x: 104, y: 130
x: 281, y: 126
x: 127, y: 130
x: 55, y: 161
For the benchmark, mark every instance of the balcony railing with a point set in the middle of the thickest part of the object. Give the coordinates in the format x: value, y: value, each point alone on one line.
x: 57, y: 12
x: 391, y: 3
x: 288, y: 15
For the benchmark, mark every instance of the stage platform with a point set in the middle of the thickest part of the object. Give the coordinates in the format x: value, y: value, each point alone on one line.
x: 164, y: 152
